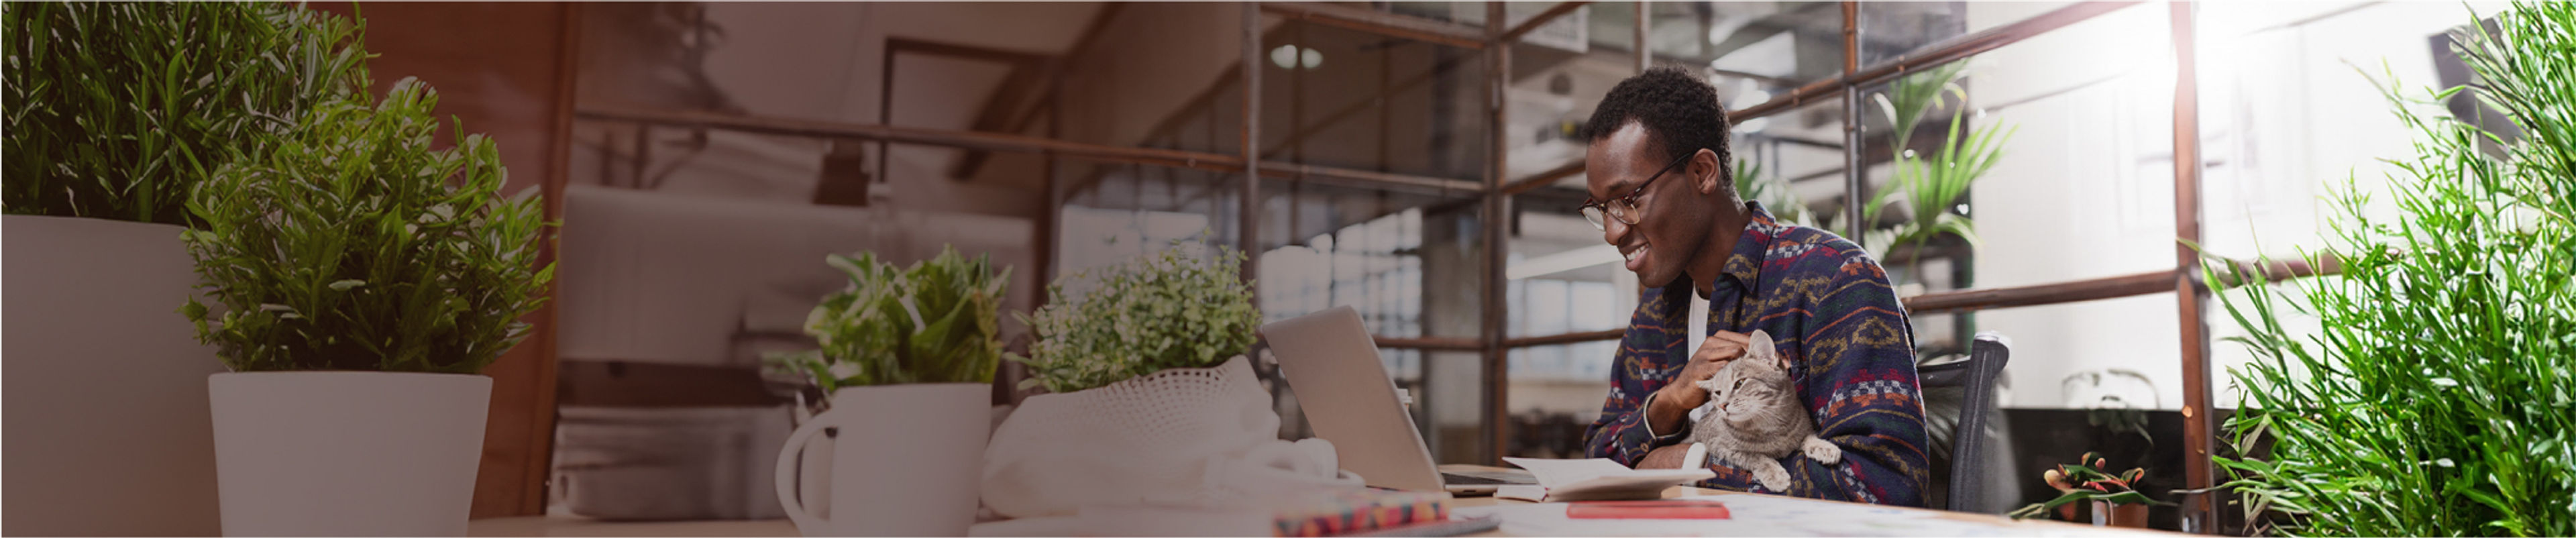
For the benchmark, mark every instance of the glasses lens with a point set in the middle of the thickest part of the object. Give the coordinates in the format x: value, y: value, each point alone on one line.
x: 1623, y: 210
x: 1593, y: 215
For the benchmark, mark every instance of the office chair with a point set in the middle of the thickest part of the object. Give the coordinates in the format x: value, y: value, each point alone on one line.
x: 1969, y: 445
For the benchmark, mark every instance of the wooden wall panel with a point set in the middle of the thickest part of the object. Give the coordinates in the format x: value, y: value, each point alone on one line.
x: 504, y: 70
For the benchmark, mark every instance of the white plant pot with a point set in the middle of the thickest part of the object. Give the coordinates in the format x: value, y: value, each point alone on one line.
x: 105, y: 394
x: 904, y: 463
x: 1127, y: 442
x: 341, y: 453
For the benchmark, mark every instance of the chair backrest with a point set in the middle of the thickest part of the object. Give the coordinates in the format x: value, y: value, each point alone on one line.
x: 1969, y: 445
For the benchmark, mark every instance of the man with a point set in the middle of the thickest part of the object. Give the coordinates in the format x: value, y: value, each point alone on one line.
x: 1662, y: 191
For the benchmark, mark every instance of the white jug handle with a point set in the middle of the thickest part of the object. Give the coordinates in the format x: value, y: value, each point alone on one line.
x: 788, y: 457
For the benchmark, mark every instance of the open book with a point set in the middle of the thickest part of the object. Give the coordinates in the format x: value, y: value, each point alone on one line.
x: 1595, y: 479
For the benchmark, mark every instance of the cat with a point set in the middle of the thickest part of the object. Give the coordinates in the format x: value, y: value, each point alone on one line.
x: 1755, y: 419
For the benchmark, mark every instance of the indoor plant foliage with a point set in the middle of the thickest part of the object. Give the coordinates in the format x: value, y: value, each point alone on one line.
x: 130, y: 104
x: 1169, y: 310
x: 346, y: 247
x: 2434, y: 398
x: 904, y: 349
x: 2089, y: 481
x: 1932, y: 183
x: 937, y: 321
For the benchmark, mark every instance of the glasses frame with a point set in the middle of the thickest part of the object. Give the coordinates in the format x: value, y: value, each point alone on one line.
x: 1599, y: 213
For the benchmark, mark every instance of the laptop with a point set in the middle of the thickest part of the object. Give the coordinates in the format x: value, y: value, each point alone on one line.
x: 1331, y: 361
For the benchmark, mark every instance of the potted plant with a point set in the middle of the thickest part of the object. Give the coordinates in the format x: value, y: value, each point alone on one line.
x: 360, y: 281
x: 2431, y: 393
x: 907, y: 359
x: 1143, y: 362
x: 2113, y: 497
x: 116, y: 111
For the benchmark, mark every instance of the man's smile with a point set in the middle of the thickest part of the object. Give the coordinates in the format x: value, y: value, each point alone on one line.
x: 1636, y: 258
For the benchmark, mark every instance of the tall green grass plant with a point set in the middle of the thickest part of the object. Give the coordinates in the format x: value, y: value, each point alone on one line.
x: 2437, y: 398
x: 117, y: 109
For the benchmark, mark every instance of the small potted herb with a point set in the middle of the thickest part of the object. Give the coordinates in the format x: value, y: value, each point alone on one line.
x: 360, y: 281
x: 907, y: 359
x: 1144, y: 364
x: 2114, y: 497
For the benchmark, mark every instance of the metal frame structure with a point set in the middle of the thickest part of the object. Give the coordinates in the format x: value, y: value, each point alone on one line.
x: 1494, y: 192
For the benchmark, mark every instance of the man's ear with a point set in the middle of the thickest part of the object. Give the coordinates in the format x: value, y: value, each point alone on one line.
x: 1707, y: 176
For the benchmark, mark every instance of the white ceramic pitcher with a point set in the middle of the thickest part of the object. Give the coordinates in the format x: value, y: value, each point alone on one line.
x: 906, y: 461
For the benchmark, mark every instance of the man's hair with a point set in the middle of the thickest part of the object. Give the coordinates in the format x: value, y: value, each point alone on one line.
x: 1680, y: 113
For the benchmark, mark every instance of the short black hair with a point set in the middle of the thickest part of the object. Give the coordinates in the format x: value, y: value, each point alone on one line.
x: 1680, y: 112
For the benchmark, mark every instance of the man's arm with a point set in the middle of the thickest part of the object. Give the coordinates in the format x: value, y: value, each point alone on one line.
x: 1863, y: 391
x: 1649, y: 356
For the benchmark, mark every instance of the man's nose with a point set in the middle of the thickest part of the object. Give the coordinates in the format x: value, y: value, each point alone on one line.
x: 1612, y: 230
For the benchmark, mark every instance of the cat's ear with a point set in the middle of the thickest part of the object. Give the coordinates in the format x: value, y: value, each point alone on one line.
x: 1761, y: 343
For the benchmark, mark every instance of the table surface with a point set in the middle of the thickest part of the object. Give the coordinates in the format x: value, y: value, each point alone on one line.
x: 579, y: 526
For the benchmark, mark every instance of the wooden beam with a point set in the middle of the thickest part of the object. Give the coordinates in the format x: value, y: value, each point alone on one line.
x: 1946, y: 51
x: 1428, y: 343
x: 548, y: 326
x: 1951, y: 302
x: 1567, y: 338
x: 2198, y: 424
x: 913, y: 135
x: 1038, y: 100
x: 1962, y: 47
x: 1248, y: 202
x: 1814, y: 92
x: 2042, y: 294
x: 1495, y: 229
x: 1380, y: 23
x: 1543, y: 179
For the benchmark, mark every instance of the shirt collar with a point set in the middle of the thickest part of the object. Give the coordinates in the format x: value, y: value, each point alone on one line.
x: 1745, y: 264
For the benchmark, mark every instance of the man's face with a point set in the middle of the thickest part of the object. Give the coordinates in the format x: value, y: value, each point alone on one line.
x: 1673, y: 216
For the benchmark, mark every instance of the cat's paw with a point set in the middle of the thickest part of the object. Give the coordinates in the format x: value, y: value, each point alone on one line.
x: 1823, y: 451
x: 1773, y: 476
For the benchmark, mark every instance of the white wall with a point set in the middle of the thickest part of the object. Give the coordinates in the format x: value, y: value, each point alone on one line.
x: 2085, y: 188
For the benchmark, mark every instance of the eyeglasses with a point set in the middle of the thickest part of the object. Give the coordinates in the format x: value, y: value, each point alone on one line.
x: 1624, y: 208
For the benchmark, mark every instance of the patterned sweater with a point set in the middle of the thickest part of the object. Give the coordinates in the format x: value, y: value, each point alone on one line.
x: 1830, y: 308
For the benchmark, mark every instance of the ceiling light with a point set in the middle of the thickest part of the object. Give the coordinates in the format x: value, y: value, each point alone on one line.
x: 1285, y: 56
x: 1310, y: 58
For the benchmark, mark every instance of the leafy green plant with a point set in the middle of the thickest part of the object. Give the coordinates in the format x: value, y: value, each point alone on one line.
x: 347, y: 248
x: 1153, y: 313
x: 117, y: 109
x: 1774, y: 194
x: 2435, y: 396
x: 937, y: 321
x: 1932, y: 184
x: 2087, y: 481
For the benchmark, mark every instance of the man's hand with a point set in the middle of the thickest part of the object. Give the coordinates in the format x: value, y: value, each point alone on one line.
x: 1674, y: 402
x: 1669, y: 457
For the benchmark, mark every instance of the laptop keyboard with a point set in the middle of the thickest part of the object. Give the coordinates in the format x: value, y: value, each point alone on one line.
x: 1456, y: 479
